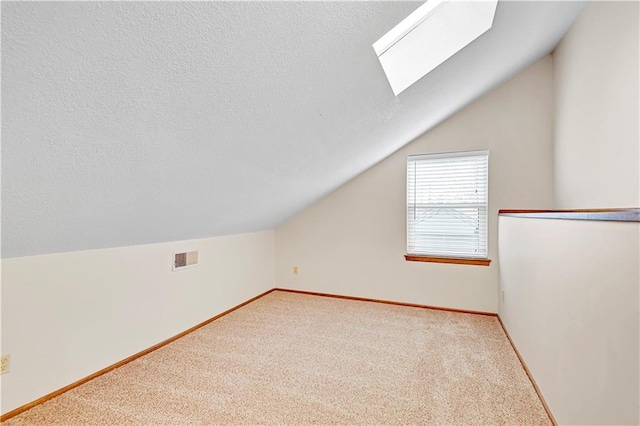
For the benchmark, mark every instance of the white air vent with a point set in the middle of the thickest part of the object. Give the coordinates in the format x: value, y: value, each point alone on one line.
x: 185, y: 260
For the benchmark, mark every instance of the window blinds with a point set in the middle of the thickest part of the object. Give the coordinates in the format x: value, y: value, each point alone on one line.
x: 447, y: 198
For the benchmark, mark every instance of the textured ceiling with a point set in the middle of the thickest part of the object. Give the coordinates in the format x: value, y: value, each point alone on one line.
x: 139, y: 122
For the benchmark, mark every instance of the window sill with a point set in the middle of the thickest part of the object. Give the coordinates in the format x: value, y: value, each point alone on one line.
x: 457, y: 260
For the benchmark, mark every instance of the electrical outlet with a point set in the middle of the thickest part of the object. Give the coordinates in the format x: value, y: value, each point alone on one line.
x: 4, y: 364
x: 295, y: 270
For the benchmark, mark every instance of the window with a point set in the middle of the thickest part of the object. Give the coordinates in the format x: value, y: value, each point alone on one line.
x: 447, y: 197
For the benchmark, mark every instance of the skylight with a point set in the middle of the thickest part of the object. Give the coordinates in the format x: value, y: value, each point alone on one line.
x: 433, y: 33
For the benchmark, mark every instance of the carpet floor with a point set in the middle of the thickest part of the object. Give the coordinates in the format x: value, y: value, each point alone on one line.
x: 289, y: 358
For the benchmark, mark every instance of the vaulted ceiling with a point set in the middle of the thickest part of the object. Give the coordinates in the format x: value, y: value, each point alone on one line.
x: 136, y: 122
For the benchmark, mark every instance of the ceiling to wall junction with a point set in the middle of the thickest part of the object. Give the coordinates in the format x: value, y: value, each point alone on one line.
x: 137, y: 122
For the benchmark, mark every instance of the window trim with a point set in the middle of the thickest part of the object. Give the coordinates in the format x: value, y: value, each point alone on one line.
x: 443, y: 258
x: 478, y: 261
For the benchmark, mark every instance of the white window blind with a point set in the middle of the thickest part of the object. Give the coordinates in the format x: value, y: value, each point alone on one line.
x: 447, y: 198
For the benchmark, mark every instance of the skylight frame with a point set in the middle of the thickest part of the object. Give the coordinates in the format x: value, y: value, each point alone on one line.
x: 407, y: 25
x: 417, y: 45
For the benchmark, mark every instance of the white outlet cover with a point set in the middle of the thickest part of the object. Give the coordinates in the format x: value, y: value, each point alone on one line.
x: 5, y: 364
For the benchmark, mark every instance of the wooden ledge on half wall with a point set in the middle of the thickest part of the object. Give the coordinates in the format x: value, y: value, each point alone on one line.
x: 615, y: 215
x: 439, y: 259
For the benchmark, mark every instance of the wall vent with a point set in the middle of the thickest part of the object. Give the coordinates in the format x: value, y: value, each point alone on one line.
x: 185, y: 260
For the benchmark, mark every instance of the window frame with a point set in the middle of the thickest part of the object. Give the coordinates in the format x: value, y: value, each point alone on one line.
x: 436, y: 257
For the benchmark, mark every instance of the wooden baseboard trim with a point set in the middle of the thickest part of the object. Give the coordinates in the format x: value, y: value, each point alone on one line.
x: 388, y: 302
x: 526, y: 369
x: 58, y: 392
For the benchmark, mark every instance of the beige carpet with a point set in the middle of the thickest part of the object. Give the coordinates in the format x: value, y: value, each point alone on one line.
x: 297, y: 359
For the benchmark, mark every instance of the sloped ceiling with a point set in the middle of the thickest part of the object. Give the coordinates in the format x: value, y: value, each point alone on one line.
x: 139, y: 122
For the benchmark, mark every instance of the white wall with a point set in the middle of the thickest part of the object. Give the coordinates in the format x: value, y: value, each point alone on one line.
x: 571, y: 307
x: 596, y: 96
x: 68, y: 315
x: 571, y: 287
x: 353, y: 241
